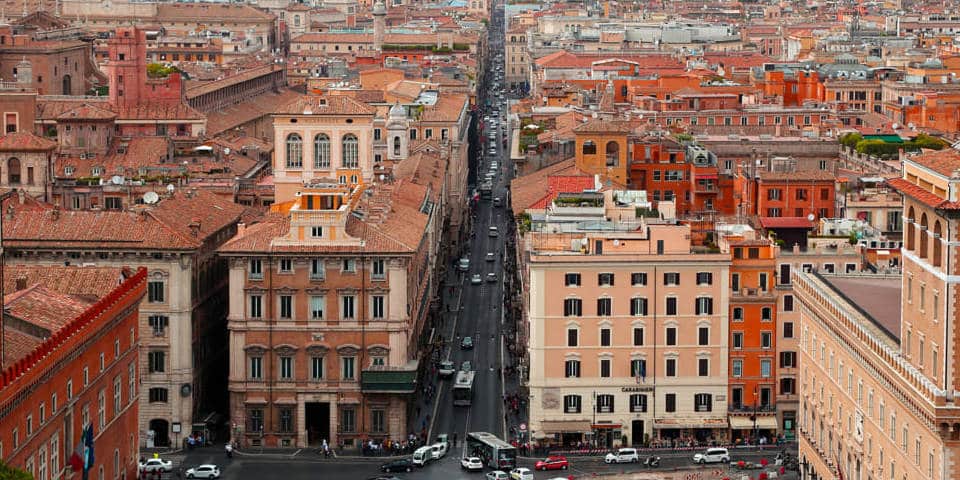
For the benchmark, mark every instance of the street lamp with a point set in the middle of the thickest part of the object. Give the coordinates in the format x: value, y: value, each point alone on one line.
x: 755, y: 439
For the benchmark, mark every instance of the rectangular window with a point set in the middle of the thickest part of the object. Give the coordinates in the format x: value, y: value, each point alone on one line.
x: 735, y: 280
x: 286, y: 420
x: 572, y: 369
x: 638, y: 306
x: 316, y: 368
x: 671, y: 336
x: 317, y: 271
x: 787, y: 329
x: 286, y: 368
x: 737, y: 314
x: 349, y: 265
x: 766, y: 367
x: 737, y: 340
x: 671, y: 278
x: 670, y: 402
x: 318, y: 304
x: 671, y: 367
x: 703, y: 336
x: 572, y: 280
x: 766, y: 340
x: 788, y: 303
x: 605, y: 368
x: 638, y: 368
x: 704, y: 306
x: 256, y: 306
x: 704, y: 278
x: 638, y: 403
x: 788, y: 359
x: 605, y: 404
x: 286, y: 306
x: 157, y: 362
x: 605, y: 279
x: 572, y: 337
x: 256, y: 368
x: 378, y: 269
x: 347, y: 368
x: 286, y: 265
x: 703, y: 402
x: 158, y: 395
x: 155, y: 292
x: 638, y: 336
x: 703, y: 367
x: 256, y: 269
x: 671, y: 306
x: 571, y: 404
x: 572, y: 307
x: 158, y: 324
x: 604, y: 337
x: 378, y: 421
x: 255, y: 415
x: 737, y: 368
x: 638, y: 278
x: 604, y: 307
x: 346, y: 307
x: 379, y: 306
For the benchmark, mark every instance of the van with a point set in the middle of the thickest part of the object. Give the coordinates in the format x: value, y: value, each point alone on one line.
x: 439, y: 450
x: 712, y: 455
x: 423, y: 455
x: 497, y: 202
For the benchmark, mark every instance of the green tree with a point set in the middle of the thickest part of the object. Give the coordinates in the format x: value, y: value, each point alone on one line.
x: 851, y: 140
x: 927, y: 141
x: 8, y: 472
x: 157, y: 70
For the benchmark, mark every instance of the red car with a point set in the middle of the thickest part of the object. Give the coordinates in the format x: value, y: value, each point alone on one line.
x: 553, y: 463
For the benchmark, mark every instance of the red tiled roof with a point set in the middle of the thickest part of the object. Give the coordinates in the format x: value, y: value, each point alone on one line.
x: 326, y: 105
x: 918, y: 193
x: 25, y: 142
x: 527, y: 189
x: 785, y: 222
x: 557, y: 184
x: 944, y: 162
x: 17, y: 345
x: 565, y: 59
x: 86, y: 112
x: 83, y: 282
x: 43, y: 307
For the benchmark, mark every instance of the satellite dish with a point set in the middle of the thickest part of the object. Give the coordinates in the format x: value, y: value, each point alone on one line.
x: 810, y: 217
x: 116, y: 180
x: 226, y: 151
x: 150, y: 198
x: 170, y: 187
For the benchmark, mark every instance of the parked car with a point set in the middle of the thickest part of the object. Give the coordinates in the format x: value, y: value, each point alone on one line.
x: 521, y: 474
x: 466, y: 343
x: 553, y: 462
x: 494, y: 232
x: 156, y: 465
x: 713, y: 455
x: 624, y: 455
x: 423, y: 455
x: 204, y: 471
x: 497, y: 475
x: 464, y: 264
x: 399, y: 465
x: 492, y: 277
x: 472, y: 464
x: 447, y: 368
x: 476, y: 279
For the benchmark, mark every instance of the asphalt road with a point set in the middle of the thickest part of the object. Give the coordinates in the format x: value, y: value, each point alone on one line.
x: 308, y: 465
x: 480, y: 307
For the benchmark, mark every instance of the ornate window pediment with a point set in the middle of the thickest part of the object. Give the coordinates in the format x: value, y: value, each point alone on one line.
x: 348, y: 350
x: 317, y: 350
x: 286, y: 290
x: 317, y: 291
x: 285, y: 350
x: 255, y: 349
x: 378, y: 350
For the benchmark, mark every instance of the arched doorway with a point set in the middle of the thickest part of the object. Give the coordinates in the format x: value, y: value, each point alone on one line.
x: 67, y: 90
x: 613, y: 154
x: 161, y: 433
x: 13, y: 171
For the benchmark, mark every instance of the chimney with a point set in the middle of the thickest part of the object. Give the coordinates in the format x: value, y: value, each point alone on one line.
x: 195, y: 227
x: 20, y: 195
x: 21, y: 283
x: 241, y: 229
x: 56, y: 212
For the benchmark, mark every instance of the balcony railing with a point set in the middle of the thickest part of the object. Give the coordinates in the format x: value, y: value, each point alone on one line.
x: 749, y: 409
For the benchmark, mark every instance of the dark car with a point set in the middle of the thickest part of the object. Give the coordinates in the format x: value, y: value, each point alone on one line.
x: 400, y: 465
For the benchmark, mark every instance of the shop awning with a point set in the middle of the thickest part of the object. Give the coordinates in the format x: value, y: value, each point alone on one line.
x: 690, y: 423
x: 565, y: 426
x: 883, y: 253
x: 767, y: 423
x: 606, y: 426
x: 741, y: 423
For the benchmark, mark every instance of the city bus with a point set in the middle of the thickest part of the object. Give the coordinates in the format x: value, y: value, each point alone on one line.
x: 463, y: 389
x: 494, y: 452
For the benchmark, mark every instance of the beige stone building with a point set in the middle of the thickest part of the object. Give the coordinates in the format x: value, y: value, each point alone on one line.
x: 628, y: 329
x: 877, y: 358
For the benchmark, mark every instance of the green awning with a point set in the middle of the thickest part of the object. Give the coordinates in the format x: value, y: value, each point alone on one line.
x: 885, y: 138
x: 389, y: 379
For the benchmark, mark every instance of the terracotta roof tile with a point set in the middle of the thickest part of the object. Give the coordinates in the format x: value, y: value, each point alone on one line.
x: 447, y: 109
x: 17, y: 345
x: 916, y: 192
x: 565, y: 59
x: 604, y: 126
x: 944, y: 162
x: 87, y: 112
x: 816, y: 175
x: 326, y: 105
x: 25, y: 142
x: 251, y: 109
x: 187, y: 12
x: 526, y: 190
x: 558, y: 184
x: 43, y: 307
x: 785, y: 222
x: 83, y: 282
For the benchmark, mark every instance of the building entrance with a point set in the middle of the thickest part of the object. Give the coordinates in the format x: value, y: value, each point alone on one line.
x: 318, y: 423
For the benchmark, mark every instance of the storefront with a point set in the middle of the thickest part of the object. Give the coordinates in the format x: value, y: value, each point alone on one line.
x: 607, y: 435
x: 742, y: 427
x: 566, y: 433
x: 681, y: 430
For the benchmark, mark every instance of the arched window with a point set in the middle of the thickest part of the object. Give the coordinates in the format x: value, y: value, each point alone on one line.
x: 13, y: 171
x: 296, y: 20
x: 589, y: 148
x: 351, y: 152
x: 67, y: 85
x: 937, y: 244
x: 396, y: 146
x: 911, y: 230
x: 294, y: 151
x: 613, y: 154
x: 321, y: 151
x: 923, y: 235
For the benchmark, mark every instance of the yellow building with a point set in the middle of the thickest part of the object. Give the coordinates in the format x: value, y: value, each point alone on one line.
x: 877, y: 352
x: 601, y: 148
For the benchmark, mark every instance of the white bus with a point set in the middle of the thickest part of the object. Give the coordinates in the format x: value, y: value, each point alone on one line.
x: 494, y: 452
x: 463, y: 389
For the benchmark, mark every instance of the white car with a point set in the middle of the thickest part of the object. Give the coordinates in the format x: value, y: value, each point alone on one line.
x: 156, y: 465
x: 497, y: 475
x: 624, y: 455
x: 476, y: 279
x: 713, y: 455
x: 204, y: 471
x: 521, y: 474
x: 472, y: 464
